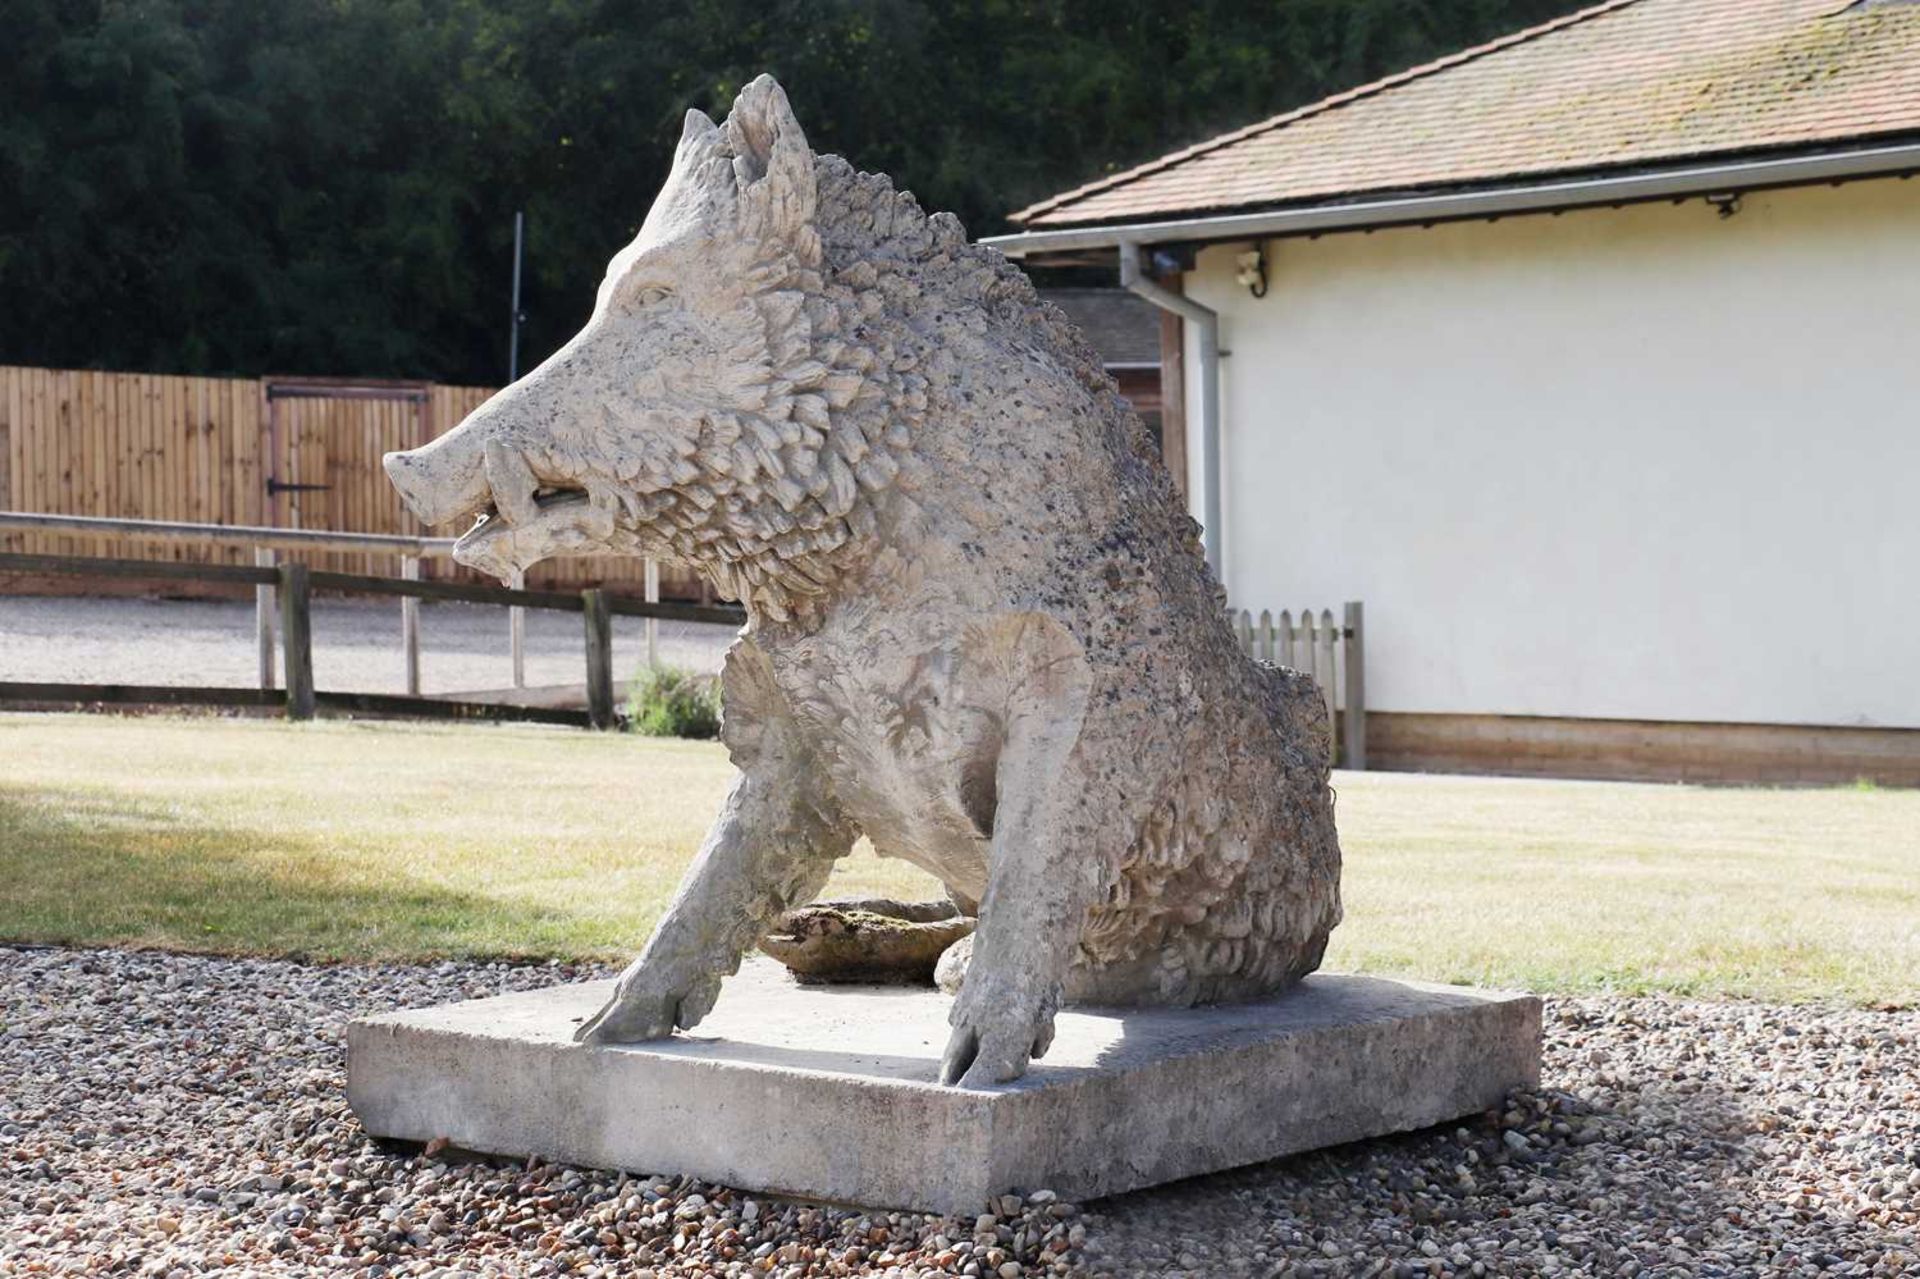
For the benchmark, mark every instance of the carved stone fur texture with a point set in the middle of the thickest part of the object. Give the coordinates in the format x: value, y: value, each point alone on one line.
x: 980, y: 630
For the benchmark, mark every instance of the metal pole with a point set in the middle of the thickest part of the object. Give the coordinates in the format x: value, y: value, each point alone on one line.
x: 513, y: 324
x: 517, y: 631
x: 410, y: 624
x: 264, y: 606
x: 1207, y: 325
x: 653, y: 623
x: 291, y: 539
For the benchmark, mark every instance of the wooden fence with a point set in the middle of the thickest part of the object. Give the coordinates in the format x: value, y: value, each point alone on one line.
x: 285, y: 453
x: 293, y: 586
x: 1332, y: 652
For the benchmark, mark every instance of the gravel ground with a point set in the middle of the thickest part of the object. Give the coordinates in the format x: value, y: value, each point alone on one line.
x: 177, y: 1116
x: 356, y: 644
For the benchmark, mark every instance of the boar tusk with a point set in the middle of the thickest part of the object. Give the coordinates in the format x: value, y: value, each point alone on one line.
x: 512, y: 482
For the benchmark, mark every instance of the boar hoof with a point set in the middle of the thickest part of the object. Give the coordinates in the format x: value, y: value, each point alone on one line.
x: 636, y: 1013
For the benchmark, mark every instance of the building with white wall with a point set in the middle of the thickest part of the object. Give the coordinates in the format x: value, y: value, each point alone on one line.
x: 1590, y: 361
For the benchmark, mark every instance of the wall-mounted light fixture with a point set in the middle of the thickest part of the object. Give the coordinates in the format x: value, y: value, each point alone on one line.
x: 1250, y: 269
x: 1726, y: 203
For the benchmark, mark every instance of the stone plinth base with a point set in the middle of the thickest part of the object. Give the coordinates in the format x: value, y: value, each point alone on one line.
x: 831, y: 1092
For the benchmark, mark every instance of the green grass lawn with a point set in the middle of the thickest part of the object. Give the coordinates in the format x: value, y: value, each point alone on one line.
x: 380, y: 841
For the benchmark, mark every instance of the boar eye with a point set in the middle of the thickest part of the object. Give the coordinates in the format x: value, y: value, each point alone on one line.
x: 653, y: 296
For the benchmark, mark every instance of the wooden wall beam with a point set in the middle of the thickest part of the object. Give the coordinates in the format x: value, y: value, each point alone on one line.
x: 1642, y: 750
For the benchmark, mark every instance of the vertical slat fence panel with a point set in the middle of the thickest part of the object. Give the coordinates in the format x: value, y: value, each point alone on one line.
x: 59, y: 393
x: 40, y: 494
x: 172, y: 460
x: 1328, y: 681
x: 157, y: 447
x: 113, y: 465
x: 1329, y: 651
x: 88, y: 431
x: 205, y: 482
x: 9, y: 453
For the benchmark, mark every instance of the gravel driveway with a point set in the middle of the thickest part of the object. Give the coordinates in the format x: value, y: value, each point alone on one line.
x: 177, y: 1116
x: 356, y: 644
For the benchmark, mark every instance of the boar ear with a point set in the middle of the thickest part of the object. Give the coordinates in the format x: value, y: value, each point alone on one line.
x: 696, y: 126
x: 700, y: 140
x: 772, y: 162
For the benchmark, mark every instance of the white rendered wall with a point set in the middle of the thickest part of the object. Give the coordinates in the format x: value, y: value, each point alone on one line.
x: 1640, y: 463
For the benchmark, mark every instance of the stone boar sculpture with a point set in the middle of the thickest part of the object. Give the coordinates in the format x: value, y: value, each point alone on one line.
x: 980, y: 630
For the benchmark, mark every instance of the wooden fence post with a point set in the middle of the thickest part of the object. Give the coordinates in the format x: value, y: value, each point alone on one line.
x: 1354, y: 641
x: 296, y: 631
x: 599, y: 659
x: 517, y: 630
x: 264, y: 606
x: 653, y: 623
x: 410, y: 624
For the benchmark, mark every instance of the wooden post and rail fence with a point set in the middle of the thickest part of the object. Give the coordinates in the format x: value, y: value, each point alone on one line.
x: 283, y: 601
x: 267, y: 541
x: 1332, y: 653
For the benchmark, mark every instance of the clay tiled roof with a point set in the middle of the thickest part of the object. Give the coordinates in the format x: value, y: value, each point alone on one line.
x: 1626, y: 83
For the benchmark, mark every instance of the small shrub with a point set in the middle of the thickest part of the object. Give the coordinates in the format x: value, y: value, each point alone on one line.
x: 669, y: 702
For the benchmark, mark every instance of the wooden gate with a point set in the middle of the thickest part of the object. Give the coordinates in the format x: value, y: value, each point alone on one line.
x: 325, y: 438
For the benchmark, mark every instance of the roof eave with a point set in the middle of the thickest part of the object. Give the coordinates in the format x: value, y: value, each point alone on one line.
x: 1504, y: 199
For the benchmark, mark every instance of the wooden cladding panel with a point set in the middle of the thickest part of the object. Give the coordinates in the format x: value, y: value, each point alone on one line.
x: 158, y: 447
x: 1642, y: 750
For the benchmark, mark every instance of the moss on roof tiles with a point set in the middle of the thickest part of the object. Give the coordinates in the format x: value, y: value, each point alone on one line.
x: 1627, y: 83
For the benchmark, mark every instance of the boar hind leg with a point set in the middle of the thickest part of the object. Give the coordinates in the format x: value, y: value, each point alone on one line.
x: 771, y: 849
x: 1042, y: 875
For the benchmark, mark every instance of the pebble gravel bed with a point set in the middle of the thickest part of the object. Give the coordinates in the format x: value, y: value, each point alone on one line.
x: 178, y: 1116
x: 1668, y: 1139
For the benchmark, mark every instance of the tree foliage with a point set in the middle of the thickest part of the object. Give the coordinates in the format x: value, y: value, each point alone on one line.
x: 327, y: 186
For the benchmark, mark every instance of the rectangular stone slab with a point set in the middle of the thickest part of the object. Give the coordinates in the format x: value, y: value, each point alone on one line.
x: 832, y: 1093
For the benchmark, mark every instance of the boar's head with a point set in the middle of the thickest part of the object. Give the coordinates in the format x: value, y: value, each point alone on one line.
x: 710, y: 413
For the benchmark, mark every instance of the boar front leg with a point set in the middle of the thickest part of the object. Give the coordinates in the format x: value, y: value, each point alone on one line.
x: 771, y: 849
x: 765, y: 854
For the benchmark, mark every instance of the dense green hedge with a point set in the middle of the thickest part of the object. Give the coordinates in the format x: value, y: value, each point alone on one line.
x: 327, y: 186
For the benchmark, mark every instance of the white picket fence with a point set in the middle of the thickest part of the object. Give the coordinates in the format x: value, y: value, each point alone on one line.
x: 1332, y: 651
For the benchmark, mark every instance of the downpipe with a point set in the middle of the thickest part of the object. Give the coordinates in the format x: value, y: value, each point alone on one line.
x: 1207, y: 322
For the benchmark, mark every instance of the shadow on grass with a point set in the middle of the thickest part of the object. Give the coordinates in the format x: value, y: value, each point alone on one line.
x: 80, y: 868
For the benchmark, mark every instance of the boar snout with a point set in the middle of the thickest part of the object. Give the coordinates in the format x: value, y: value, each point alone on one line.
x: 442, y: 481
